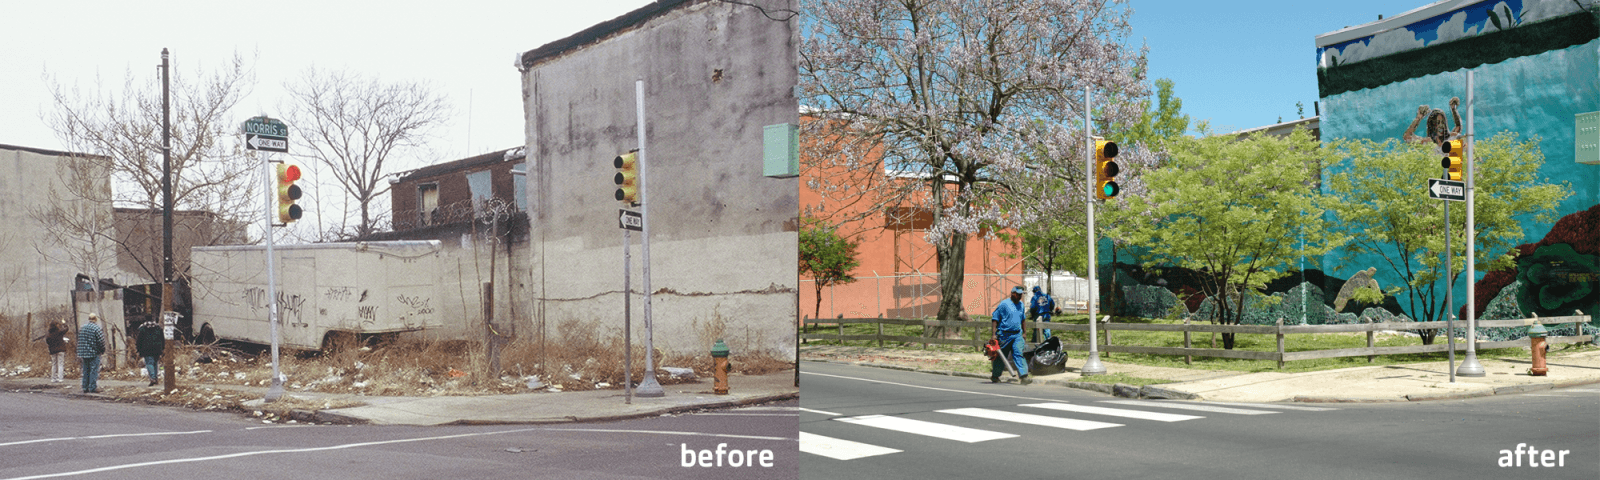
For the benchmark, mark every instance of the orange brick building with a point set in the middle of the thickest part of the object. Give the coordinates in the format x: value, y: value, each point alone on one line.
x: 899, y: 274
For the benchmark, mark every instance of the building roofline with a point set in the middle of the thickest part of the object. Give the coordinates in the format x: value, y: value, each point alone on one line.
x: 1409, y: 17
x: 599, y: 31
x: 44, y: 151
x: 1281, y: 128
x: 498, y: 156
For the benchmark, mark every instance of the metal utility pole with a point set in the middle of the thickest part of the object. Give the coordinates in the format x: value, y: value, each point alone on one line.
x: 648, y: 387
x: 274, y: 391
x: 169, y: 380
x: 627, y: 316
x: 1469, y: 365
x: 1450, y: 291
x: 1091, y: 365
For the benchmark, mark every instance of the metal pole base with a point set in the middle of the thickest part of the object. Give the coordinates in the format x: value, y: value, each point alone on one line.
x: 275, y: 391
x: 649, y: 387
x: 1469, y: 366
x: 1092, y: 366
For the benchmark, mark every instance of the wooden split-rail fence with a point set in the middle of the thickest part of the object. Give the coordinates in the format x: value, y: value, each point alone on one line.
x: 1187, y: 351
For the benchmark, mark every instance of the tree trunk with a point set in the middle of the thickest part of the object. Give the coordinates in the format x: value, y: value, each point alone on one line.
x: 952, y: 254
x: 819, y: 301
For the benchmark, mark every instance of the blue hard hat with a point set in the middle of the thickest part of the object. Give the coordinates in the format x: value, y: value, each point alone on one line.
x: 1018, y: 289
x: 1035, y: 289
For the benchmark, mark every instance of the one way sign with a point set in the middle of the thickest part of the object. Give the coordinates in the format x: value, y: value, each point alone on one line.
x: 1447, y: 190
x: 268, y: 143
x: 630, y: 220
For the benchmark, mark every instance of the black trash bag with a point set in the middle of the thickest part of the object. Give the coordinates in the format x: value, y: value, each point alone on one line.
x: 1047, y: 358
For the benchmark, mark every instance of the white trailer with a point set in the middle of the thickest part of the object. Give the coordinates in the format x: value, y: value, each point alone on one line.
x: 355, y: 288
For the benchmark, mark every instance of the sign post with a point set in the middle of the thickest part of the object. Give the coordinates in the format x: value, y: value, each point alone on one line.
x: 265, y: 135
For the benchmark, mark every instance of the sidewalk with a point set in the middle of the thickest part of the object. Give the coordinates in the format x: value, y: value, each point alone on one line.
x: 1391, y: 383
x: 527, y: 408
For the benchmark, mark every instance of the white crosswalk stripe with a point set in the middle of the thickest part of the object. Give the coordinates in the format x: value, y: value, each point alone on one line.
x: 1031, y: 419
x: 840, y: 449
x: 1273, y: 405
x: 1189, y: 406
x: 1115, y: 412
x: 930, y: 429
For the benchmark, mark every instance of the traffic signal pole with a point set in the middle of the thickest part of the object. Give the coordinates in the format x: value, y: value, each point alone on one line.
x: 274, y: 391
x: 1091, y: 365
x: 648, y: 387
x: 1469, y: 365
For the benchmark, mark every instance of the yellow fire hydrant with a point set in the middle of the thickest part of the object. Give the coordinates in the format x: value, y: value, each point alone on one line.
x: 1536, y: 334
x: 720, y: 368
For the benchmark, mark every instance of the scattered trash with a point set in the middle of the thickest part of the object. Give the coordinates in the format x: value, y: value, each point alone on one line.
x: 533, y: 382
x: 680, y: 373
x: 457, y: 373
x: 514, y: 450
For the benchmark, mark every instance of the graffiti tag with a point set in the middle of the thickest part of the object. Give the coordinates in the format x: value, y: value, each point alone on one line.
x: 418, y: 305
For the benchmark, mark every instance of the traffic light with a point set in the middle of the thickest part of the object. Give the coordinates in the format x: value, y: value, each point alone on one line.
x: 1452, y: 149
x: 627, y: 177
x: 1105, y: 169
x: 288, y: 192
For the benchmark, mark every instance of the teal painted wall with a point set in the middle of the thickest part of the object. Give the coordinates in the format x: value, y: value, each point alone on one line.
x: 1536, y: 95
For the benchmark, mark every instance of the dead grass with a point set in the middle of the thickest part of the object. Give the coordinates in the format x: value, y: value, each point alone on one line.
x: 575, y: 358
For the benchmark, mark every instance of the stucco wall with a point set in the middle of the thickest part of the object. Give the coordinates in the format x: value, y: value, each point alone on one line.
x: 723, y: 239
x: 31, y: 281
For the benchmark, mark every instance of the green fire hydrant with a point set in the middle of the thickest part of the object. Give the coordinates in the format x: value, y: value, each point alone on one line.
x: 1536, y: 334
x: 720, y: 368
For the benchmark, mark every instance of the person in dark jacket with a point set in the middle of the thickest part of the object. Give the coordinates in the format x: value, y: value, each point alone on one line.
x: 151, y: 343
x: 91, y: 344
x: 57, y: 341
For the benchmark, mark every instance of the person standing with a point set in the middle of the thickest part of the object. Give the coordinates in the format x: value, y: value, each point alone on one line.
x: 1008, y: 330
x: 57, y: 341
x: 1040, y: 308
x: 151, y: 343
x: 91, y: 344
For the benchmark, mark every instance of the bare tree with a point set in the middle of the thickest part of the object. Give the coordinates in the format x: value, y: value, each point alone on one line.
x: 354, y: 126
x: 957, y: 94
x: 209, y: 170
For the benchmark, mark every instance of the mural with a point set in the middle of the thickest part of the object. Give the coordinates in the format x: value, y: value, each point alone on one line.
x: 1536, y: 65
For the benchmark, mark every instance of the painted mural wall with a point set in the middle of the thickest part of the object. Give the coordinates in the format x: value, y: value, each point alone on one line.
x: 1536, y: 68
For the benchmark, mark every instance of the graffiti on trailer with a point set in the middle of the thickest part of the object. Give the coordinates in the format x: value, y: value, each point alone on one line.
x: 368, y: 314
x: 255, y: 297
x: 291, y: 305
x: 339, y: 294
x: 418, y: 305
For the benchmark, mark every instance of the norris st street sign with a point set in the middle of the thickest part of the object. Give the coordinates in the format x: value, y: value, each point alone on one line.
x: 263, y: 133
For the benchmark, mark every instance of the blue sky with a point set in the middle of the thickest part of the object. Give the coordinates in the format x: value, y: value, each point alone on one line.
x: 1244, y: 64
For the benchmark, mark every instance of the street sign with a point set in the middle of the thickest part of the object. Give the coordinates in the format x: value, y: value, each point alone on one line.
x: 263, y: 142
x: 263, y: 133
x: 265, y: 126
x: 1447, y: 190
x: 631, y: 220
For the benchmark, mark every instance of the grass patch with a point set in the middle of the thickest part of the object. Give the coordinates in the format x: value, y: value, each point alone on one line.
x: 1243, y: 342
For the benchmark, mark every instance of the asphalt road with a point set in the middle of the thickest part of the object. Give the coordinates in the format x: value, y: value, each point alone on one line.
x: 54, y: 436
x: 859, y: 422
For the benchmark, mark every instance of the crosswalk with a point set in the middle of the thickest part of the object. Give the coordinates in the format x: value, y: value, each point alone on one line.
x: 1048, y: 414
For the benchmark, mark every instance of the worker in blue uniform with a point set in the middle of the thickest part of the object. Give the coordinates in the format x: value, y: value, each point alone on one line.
x: 1008, y: 330
x: 1040, y: 308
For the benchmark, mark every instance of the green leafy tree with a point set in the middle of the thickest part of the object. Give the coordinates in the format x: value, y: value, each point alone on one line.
x: 826, y: 257
x: 1239, y: 211
x: 1381, y: 205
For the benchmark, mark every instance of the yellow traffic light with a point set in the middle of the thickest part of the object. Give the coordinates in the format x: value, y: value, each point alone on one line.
x: 1453, y: 150
x: 288, y: 193
x: 1105, y: 169
x: 627, y: 177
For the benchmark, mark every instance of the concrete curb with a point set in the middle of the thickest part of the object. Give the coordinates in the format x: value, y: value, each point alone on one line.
x: 1106, y: 388
x: 631, y: 416
x: 1317, y: 399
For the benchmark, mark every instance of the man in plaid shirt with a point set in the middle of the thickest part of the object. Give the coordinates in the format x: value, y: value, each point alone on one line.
x: 91, y: 344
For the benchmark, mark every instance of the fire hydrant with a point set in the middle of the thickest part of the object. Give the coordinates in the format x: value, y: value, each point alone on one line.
x: 720, y: 367
x: 1536, y: 334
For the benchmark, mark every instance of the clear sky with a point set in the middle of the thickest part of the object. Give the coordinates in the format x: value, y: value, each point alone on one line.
x: 1240, y: 64
x: 1244, y: 63
x: 463, y: 48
